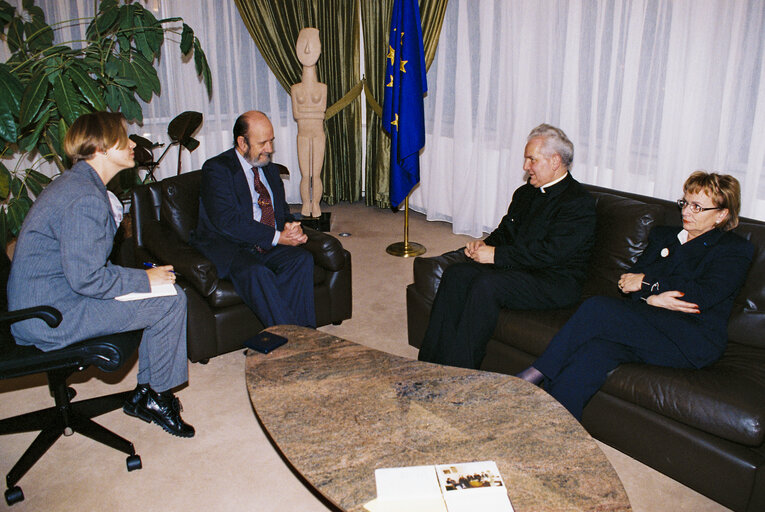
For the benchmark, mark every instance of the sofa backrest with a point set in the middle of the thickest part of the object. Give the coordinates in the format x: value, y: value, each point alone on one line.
x: 172, y: 202
x: 180, y: 203
x: 624, y: 221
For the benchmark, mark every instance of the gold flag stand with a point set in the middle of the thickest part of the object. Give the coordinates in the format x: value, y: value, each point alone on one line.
x: 406, y: 248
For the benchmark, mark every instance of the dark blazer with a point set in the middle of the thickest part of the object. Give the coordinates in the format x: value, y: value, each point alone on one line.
x: 709, y: 270
x: 548, y: 234
x: 225, y: 211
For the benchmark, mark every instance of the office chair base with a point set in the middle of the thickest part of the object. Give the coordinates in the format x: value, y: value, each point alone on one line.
x: 56, y: 421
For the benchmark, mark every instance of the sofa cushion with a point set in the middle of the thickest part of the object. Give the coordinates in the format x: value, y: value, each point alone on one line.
x: 530, y: 331
x: 726, y: 399
x: 621, y: 235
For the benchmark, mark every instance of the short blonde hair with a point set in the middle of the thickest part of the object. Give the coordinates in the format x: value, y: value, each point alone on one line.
x: 723, y: 189
x: 97, y: 131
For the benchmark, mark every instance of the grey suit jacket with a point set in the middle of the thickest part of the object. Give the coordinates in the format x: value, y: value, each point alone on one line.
x: 61, y: 260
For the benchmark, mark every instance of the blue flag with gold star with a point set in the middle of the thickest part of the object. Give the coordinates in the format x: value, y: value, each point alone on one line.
x: 403, y: 109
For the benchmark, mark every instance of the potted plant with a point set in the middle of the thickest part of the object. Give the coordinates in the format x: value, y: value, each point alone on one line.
x: 45, y: 85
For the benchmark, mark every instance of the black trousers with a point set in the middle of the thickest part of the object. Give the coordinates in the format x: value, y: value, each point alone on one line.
x: 467, y: 305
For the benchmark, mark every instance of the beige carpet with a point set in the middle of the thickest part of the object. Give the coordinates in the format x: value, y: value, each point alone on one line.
x: 230, y: 465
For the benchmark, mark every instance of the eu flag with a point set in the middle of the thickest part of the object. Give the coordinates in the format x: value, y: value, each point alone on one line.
x: 403, y: 110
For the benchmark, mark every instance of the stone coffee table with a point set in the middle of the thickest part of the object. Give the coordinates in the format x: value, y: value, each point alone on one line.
x: 337, y: 410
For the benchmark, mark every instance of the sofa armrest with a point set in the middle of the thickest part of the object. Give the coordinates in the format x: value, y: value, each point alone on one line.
x: 327, y: 250
x: 169, y: 249
x: 428, y: 271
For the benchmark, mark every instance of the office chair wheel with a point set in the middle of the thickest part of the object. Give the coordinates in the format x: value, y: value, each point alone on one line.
x: 13, y: 495
x: 134, y: 463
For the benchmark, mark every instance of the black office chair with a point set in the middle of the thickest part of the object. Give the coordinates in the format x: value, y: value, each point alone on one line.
x: 107, y: 353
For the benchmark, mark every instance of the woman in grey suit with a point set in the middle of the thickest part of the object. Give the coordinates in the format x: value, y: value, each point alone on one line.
x: 681, y: 292
x: 61, y: 259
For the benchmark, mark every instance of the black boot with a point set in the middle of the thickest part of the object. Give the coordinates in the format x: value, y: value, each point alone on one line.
x: 164, y: 409
x: 137, y: 396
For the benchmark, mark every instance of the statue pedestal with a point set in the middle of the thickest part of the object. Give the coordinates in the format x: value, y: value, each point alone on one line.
x: 321, y: 223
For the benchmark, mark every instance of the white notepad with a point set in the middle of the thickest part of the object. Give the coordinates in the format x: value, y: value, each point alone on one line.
x: 160, y: 290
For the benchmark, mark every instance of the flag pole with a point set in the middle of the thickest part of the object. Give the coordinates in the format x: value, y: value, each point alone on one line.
x: 406, y: 249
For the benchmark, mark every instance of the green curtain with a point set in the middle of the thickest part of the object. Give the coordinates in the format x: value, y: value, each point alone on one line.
x: 274, y: 25
x: 375, y: 20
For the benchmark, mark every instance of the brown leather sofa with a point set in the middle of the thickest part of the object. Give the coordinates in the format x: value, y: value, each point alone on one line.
x: 704, y: 428
x: 165, y: 213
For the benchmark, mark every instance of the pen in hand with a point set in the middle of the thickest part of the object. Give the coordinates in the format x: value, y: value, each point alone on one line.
x: 148, y: 264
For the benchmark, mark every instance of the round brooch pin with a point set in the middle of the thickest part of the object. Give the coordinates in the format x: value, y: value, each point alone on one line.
x: 664, y: 252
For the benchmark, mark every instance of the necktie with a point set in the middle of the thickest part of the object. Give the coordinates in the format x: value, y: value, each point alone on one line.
x: 264, y: 200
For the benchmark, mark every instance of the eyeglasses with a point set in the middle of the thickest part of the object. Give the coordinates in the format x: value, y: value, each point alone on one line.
x: 695, y: 207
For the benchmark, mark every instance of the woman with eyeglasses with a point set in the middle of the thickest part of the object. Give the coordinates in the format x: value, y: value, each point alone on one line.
x: 675, y: 306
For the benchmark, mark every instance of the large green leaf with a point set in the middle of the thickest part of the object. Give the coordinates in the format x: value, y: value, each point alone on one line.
x: 5, y: 181
x: 147, y: 74
x: 34, y: 95
x: 155, y: 35
x: 17, y: 210
x: 122, y: 100
x: 200, y: 61
x: 6, y: 15
x: 88, y: 87
x: 187, y: 39
x: 104, y: 21
x: 11, y: 92
x: 67, y: 99
x: 11, y: 86
x: 112, y: 66
x: 127, y: 82
x: 39, y: 34
x: 113, y: 97
x: 127, y: 15
x: 139, y: 35
x: 52, y: 67
x: 36, y: 181
x: 8, y: 131
x: 15, y: 36
x: 31, y: 140
x: 54, y: 135
x: 137, y: 70
x: 131, y: 109
x: 17, y: 186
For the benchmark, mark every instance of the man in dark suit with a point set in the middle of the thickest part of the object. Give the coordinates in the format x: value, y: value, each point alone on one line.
x: 246, y: 230
x: 535, y: 259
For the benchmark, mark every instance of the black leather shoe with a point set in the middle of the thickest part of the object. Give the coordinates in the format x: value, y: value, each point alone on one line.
x: 164, y: 409
x: 138, y: 395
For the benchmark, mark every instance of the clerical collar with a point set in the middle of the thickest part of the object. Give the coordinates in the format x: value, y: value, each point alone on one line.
x: 682, y: 236
x: 548, y: 185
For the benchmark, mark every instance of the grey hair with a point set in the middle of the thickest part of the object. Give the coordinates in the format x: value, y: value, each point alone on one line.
x: 555, y: 142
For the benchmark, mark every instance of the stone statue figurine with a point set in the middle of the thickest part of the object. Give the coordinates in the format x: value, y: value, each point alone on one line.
x: 309, y: 102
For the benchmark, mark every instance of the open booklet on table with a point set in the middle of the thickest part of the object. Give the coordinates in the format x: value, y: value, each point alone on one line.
x: 159, y: 290
x: 463, y: 487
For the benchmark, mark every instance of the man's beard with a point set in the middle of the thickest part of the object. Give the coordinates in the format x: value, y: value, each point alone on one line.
x: 254, y: 160
x: 259, y: 163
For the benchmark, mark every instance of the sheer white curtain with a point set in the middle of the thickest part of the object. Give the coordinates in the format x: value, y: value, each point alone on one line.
x: 241, y: 81
x: 648, y: 91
